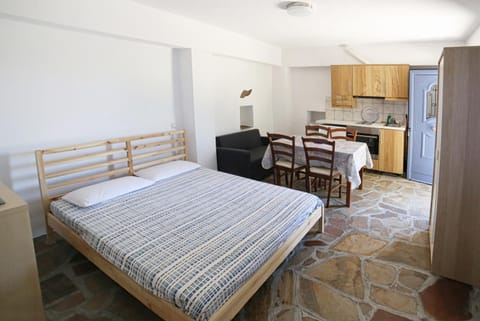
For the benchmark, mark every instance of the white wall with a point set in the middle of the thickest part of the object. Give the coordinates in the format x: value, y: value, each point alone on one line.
x: 230, y: 77
x: 60, y: 87
x: 315, y: 57
x: 129, y: 19
x: 310, y: 88
x: 398, y: 53
x: 474, y: 38
x: 203, y: 107
x: 282, y: 99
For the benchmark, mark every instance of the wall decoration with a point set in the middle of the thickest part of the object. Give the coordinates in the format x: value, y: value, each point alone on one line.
x: 245, y: 93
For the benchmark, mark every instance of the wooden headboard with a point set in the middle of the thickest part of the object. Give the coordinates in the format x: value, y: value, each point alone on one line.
x: 61, y: 170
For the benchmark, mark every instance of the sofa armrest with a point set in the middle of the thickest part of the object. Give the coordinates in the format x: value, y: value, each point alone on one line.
x: 234, y: 161
x: 264, y: 139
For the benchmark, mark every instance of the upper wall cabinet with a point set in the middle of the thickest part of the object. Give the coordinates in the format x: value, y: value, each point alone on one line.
x: 369, y: 80
x: 383, y: 81
x: 396, y: 81
x: 342, y: 85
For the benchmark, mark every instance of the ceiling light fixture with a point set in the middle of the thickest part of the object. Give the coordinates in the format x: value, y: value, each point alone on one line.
x: 300, y: 8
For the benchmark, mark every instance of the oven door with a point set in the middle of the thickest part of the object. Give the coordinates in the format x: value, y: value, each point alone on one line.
x: 372, y: 142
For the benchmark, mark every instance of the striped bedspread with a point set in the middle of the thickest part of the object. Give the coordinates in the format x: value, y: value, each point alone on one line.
x: 194, y: 239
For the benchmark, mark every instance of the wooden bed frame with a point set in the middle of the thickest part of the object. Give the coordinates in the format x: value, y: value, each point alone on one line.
x: 63, y: 169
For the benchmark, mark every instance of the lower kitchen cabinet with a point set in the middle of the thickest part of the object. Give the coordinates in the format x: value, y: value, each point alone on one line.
x: 391, y: 151
x: 19, y: 285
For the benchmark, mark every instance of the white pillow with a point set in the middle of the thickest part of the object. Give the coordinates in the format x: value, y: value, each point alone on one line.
x: 170, y: 169
x: 100, y: 192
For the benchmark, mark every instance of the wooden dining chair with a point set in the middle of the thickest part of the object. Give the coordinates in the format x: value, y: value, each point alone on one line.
x: 317, y: 130
x: 320, y: 158
x: 283, y: 158
x: 344, y: 133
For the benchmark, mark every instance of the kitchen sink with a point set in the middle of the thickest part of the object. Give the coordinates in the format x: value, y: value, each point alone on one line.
x: 392, y: 125
x: 363, y: 122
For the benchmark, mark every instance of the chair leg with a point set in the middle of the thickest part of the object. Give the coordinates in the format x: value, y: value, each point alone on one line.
x: 279, y: 177
x: 307, y: 183
x: 291, y: 180
x: 340, y: 188
x: 329, y: 191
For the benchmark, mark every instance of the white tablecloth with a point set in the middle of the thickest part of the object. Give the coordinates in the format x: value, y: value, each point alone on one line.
x: 350, y: 157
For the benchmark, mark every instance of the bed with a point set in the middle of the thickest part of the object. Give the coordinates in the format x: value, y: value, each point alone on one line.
x: 194, y: 246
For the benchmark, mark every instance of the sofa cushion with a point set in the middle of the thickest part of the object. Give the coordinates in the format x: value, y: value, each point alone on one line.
x: 246, y: 139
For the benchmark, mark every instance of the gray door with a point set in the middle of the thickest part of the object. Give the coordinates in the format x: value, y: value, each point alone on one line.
x: 422, y: 121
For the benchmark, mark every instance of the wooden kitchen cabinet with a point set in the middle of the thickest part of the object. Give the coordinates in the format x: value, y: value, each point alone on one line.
x: 391, y: 151
x: 342, y: 85
x: 369, y: 80
x: 396, y: 81
x: 19, y: 285
x: 455, y: 210
x: 383, y: 81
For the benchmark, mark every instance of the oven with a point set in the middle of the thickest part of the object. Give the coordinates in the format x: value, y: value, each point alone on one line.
x: 369, y: 136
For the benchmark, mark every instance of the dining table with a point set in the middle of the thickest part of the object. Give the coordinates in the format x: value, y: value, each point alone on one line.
x: 350, y: 159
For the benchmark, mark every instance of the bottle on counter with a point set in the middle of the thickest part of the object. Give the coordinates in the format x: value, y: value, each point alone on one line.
x: 389, y: 120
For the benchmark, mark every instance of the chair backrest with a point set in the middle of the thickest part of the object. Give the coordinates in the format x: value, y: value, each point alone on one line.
x: 282, y: 147
x: 343, y: 133
x: 317, y: 130
x: 320, y: 151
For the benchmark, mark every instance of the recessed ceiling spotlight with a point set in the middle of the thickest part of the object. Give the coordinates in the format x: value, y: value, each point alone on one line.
x: 300, y: 8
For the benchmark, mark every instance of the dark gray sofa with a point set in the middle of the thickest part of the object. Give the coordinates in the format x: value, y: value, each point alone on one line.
x: 241, y: 154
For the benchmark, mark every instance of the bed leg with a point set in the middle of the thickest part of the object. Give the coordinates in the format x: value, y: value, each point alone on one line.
x: 319, y: 225
x: 321, y: 222
x: 50, y: 236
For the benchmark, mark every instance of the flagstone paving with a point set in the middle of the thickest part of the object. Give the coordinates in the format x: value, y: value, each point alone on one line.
x: 370, y: 264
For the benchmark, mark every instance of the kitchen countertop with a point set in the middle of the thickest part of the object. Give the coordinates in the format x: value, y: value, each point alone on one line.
x: 358, y: 124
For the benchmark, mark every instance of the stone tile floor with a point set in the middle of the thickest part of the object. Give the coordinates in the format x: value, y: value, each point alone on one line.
x: 371, y: 263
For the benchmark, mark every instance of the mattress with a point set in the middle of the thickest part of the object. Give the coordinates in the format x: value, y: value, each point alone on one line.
x: 193, y: 239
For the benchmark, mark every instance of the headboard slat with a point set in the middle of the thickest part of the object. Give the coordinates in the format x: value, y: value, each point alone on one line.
x: 85, y: 168
x: 84, y: 157
x: 157, y: 162
x: 159, y: 152
x: 82, y: 146
x: 88, y: 178
x: 166, y: 142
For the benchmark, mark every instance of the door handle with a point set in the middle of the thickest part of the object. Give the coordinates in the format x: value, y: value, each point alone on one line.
x: 434, y: 128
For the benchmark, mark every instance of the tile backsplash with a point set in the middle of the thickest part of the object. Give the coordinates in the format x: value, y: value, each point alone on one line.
x: 396, y: 109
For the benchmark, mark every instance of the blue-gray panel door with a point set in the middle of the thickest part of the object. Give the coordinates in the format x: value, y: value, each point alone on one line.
x: 422, y: 121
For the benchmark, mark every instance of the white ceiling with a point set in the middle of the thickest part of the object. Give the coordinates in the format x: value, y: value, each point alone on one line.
x: 336, y: 22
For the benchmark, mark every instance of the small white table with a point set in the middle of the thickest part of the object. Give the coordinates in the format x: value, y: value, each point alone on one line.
x: 350, y: 159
